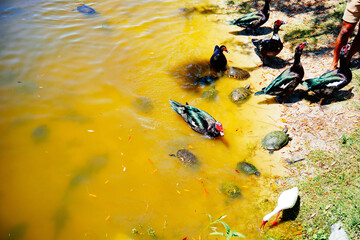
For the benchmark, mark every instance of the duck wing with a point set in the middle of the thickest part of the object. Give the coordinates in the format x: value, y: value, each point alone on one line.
x: 281, y: 84
x: 329, y: 79
x: 199, y: 118
x: 248, y: 19
x: 259, y: 43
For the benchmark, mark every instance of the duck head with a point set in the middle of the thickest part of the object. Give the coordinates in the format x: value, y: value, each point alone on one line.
x: 223, y: 49
x: 279, y: 23
x: 219, y: 128
x: 301, y: 46
x: 345, y: 49
x: 298, y: 51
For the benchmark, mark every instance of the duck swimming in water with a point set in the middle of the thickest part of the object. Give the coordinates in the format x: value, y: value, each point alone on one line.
x: 199, y: 120
x: 218, y: 60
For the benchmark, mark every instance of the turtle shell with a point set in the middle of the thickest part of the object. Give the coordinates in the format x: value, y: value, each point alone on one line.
x: 275, y: 140
x: 186, y: 157
x: 237, y: 73
x: 210, y: 94
x: 230, y: 189
x: 247, y: 168
x: 240, y: 95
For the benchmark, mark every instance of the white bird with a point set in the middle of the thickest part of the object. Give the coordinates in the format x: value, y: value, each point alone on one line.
x: 287, y: 199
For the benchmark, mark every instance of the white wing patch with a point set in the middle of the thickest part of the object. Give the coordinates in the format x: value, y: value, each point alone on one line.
x: 334, y: 84
x: 285, y: 85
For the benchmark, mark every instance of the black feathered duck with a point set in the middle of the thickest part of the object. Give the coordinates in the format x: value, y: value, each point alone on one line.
x: 269, y: 48
x: 199, y: 120
x: 218, y: 60
x: 289, y: 79
x: 253, y: 20
x: 331, y: 81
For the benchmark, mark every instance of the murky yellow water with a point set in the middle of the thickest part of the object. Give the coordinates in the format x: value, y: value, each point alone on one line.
x: 87, y: 129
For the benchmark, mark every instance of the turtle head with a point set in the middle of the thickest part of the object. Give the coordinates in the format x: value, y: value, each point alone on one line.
x: 219, y: 128
x: 223, y: 48
x: 285, y: 129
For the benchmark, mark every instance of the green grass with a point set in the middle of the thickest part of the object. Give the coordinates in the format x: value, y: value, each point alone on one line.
x: 318, y: 28
x: 333, y: 194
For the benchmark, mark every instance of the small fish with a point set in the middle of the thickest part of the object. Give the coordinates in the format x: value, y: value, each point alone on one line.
x: 86, y: 9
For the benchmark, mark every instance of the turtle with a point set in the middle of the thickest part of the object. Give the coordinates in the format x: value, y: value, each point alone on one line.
x: 237, y: 73
x: 247, y: 168
x: 186, y: 157
x: 230, y: 189
x: 240, y: 95
x: 275, y: 140
x: 210, y: 94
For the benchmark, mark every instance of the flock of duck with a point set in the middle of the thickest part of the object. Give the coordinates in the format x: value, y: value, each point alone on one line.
x: 283, y: 85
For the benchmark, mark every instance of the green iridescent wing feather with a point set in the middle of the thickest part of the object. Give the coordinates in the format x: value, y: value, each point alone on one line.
x: 322, y: 81
x: 248, y: 18
x: 281, y: 82
x: 197, y: 117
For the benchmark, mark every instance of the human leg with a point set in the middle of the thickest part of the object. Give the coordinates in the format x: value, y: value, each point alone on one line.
x: 355, y: 46
x: 341, y: 40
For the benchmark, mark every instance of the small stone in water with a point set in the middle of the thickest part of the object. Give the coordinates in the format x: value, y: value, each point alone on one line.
x: 40, y: 134
x: 144, y: 104
x: 86, y: 9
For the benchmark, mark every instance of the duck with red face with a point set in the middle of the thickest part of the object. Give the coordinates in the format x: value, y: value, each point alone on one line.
x: 269, y: 48
x: 199, y: 120
x: 289, y: 79
x: 331, y: 81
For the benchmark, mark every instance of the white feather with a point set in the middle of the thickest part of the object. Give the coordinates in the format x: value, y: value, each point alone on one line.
x: 334, y: 84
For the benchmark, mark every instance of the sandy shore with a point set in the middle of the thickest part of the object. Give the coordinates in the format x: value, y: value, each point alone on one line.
x: 310, y: 126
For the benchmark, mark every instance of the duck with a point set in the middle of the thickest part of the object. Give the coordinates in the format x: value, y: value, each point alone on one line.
x: 331, y: 81
x: 286, y: 200
x: 289, y: 79
x: 199, y: 120
x: 218, y: 60
x: 269, y: 48
x: 253, y: 20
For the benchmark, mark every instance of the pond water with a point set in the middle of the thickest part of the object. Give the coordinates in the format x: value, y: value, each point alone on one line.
x: 87, y: 128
